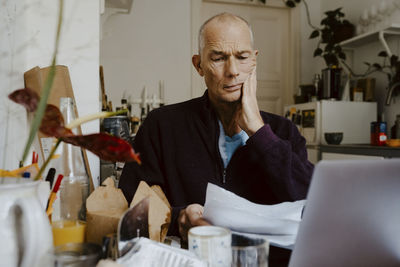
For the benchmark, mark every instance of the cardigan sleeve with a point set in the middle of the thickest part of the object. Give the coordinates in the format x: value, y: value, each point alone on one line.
x: 284, y: 161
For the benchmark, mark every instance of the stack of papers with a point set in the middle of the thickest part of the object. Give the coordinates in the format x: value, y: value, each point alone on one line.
x: 277, y: 223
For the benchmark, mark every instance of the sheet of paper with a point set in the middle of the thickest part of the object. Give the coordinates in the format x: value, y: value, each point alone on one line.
x: 278, y: 223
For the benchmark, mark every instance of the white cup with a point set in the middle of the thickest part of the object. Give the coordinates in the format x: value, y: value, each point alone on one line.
x: 212, y: 244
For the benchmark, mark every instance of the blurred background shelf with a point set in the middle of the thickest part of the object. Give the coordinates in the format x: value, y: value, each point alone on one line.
x: 369, y: 37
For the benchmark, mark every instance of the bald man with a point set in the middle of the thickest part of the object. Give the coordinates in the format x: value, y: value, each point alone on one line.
x: 222, y: 137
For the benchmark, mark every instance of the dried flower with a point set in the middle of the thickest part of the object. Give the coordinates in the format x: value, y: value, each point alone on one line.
x: 106, y: 146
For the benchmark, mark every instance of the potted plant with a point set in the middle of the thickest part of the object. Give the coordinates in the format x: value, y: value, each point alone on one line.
x: 334, y: 30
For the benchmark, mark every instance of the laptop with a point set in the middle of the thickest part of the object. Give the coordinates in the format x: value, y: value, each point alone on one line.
x: 352, y: 215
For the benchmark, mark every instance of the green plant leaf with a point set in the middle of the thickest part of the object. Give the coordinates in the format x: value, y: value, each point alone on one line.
x: 367, y: 63
x: 377, y: 66
x: 314, y: 34
x: 331, y: 59
x: 382, y: 54
x: 342, y: 55
x: 290, y: 3
x: 393, y: 60
x: 318, y: 52
x: 338, y: 48
x: 329, y: 48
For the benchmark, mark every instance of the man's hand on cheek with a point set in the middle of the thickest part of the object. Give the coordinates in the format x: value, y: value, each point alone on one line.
x: 249, y: 117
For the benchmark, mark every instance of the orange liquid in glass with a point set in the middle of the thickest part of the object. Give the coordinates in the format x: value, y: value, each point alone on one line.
x: 68, y: 232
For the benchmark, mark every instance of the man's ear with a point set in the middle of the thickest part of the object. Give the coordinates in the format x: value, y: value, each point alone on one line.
x: 256, y: 52
x: 196, y: 60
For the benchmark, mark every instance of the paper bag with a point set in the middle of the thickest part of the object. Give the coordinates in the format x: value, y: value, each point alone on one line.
x: 159, y: 210
x: 61, y: 87
x: 105, y: 207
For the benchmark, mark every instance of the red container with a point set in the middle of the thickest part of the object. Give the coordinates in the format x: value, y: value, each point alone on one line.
x: 378, y: 133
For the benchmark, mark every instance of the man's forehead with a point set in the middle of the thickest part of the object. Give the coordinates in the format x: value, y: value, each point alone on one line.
x: 227, y: 36
x: 227, y: 47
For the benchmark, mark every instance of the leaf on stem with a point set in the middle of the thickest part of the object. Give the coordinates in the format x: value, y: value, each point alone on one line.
x: 290, y: 3
x: 53, y: 123
x: 377, y: 66
x: 26, y: 97
x: 393, y: 60
x: 382, y: 54
x: 342, y: 55
x: 105, y: 146
x: 314, y: 34
x: 318, y: 52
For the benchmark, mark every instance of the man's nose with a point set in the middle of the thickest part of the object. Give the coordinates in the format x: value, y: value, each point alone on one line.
x: 231, y: 68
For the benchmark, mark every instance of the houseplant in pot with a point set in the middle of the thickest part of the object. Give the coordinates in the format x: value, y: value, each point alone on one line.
x: 333, y: 29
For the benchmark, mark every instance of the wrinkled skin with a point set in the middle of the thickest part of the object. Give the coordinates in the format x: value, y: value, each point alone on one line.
x: 228, y: 65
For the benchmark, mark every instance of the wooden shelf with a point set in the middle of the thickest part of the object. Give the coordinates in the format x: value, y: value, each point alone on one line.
x: 369, y: 37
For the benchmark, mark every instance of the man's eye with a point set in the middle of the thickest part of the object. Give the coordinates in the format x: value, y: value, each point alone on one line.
x: 216, y: 59
x: 242, y: 57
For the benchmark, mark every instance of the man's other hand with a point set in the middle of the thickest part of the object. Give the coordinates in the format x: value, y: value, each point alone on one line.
x: 190, y: 217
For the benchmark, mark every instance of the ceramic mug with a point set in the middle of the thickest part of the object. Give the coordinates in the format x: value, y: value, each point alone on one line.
x: 24, y: 227
x: 212, y: 244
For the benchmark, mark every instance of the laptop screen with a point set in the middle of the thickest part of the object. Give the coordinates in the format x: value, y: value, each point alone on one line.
x: 352, y: 215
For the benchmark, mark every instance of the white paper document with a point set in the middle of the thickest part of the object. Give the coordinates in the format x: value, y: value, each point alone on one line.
x: 278, y: 223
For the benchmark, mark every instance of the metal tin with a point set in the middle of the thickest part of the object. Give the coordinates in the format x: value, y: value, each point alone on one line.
x: 117, y: 126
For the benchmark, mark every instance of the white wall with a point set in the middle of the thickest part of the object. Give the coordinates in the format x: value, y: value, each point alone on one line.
x: 151, y: 43
x: 27, y: 34
x: 309, y: 64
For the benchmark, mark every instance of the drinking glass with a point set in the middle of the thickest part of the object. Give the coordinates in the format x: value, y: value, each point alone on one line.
x: 65, y: 231
x: 249, y: 252
x: 77, y: 255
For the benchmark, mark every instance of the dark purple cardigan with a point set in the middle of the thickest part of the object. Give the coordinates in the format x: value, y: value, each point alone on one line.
x: 178, y: 145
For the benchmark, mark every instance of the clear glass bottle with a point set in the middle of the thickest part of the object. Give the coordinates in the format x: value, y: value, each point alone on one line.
x: 74, y: 188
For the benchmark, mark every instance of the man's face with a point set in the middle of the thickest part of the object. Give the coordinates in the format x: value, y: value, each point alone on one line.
x: 227, y: 59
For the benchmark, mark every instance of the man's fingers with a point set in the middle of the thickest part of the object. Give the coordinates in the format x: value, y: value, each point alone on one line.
x: 194, y: 212
x: 200, y: 222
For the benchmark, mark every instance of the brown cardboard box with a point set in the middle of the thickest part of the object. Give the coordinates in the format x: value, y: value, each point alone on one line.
x: 105, y: 207
x: 159, y: 210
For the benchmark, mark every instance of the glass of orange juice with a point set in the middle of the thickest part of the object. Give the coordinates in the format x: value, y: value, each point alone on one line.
x: 68, y: 231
